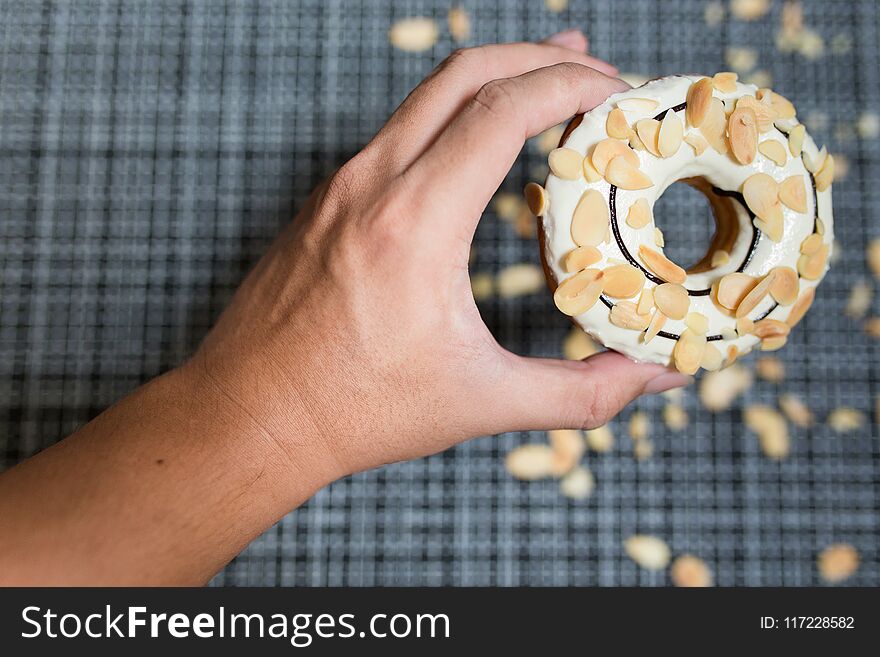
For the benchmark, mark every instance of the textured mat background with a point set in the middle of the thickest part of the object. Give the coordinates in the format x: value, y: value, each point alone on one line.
x: 150, y: 151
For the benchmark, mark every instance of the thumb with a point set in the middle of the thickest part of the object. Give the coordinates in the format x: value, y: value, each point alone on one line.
x: 541, y: 393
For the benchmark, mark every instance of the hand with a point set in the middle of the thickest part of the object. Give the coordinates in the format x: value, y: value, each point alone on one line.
x: 356, y: 340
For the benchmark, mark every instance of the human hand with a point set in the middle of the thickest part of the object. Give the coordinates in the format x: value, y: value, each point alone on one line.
x: 356, y: 340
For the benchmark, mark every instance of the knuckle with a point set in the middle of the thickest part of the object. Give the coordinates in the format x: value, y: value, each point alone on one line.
x: 496, y: 98
x: 464, y: 59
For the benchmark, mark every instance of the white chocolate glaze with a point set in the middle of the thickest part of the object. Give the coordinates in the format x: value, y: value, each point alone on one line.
x: 722, y: 171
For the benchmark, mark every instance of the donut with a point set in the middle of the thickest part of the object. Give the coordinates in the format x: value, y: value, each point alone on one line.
x: 769, y: 188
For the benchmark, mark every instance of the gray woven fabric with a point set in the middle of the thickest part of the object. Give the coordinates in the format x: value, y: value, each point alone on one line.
x: 149, y: 152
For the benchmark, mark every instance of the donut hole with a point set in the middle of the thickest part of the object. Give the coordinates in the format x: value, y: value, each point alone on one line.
x: 695, y: 222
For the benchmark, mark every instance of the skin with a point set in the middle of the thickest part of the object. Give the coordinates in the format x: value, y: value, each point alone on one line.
x: 354, y: 342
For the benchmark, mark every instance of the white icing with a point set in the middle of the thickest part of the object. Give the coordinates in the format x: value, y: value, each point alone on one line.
x: 722, y: 171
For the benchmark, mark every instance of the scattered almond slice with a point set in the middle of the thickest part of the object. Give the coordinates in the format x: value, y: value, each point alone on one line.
x: 662, y: 266
x: 643, y: 449
x: 699, y: 99
x: 625, y: 315
x: 623, y: 281
x: 638, y: 105
x: 712, y: 359
x: 718, y: 390
x: 772, y: 431
x: 697, y: 142
x: 756, y: 295
x: 781, y: 105
x: 714, y: 127
x: 590, y: 219
x: 749, y: 10
x: 568, y: 447
x: 659, y: 240
x: 600, y: 439
x: 646, y: 301
x: 801, y: 306
x: 648, y: 131
x: 814, y: 162
x: 769, y: 329
x: 579, y: 293
x: 732, y: 355
x: 649, y: 552
x: 770, y: 369
x: 741, y: 60
x: 581, y: 258
x: 688, y: 351
x: 672, y: 300
x: 859, y: 302
x: 530, y: 462
x: 482, y: 286
x: 689, y: 571
x: 639, y: 426
x: 825, y: 175
x: 772, y: 228
x: 774, y: 151
x: 670, y: 136
x: 765, y: 114
x: 415, y: 34
x: 639, y: 214
x: 813, y: 243
x: 785, y: 286
x: 565, y: 163
x: 742, y: 130
x: 577, y: 345
x: 796, y: 140
x: 873, y: 256
x: 658, y: 319
x: 536, y: 199
x: 774, y: 344
x: 844, y: 419
x: 725, y: 82
x: 795, y: 410
x: 761, y: 193
x: 811, y: 267
x: 675, y: 417
x: 607, y: 149
x: 578, y: 484
x: 793, y: 193
x: 713, y: 13
x: 621, y: 174
x: 733, y: 288
x: 697, y: 322
x: 720, y: 257
x: 838, y: 562
x: 872, y: 327
x: 616, y: 124
x: 519, y: 280
x: 459, y: 24
x: 744, y: 326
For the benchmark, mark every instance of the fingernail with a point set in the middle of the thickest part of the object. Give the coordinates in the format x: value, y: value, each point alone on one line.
x: 572, y: 38
x: 667, y: 381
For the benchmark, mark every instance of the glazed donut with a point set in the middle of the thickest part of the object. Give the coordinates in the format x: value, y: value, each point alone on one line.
x: 770, y: 191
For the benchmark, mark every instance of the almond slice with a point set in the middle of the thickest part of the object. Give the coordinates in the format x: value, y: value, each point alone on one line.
x: 814, y: 162
x: 771, y: 328
x: 625, y: 315
x: 781, y: 105
x: 659, y: 240
x: 565, y: 163
x: 825, y: 176
x: 639, y: 214
x: 796, y: 410
x: 733, y: 288
x: 814, y: 242
x: 714, y: 127
x: 761, y: 193
x: 742, y: 130
x: 697, y: 322
x: 581, y: 258
x: 725, y: 82
x: 688, y: 571
x: 414, y: 34
x: 621, y: 174
x: 744, y: 326
x: 801, y: 306
x: 770, y: 426
x: 764, y: 112
x: 697, y: 142
x: 699, y: 99
x: 796, y: 139
x: 646, y: 301
x: 590, y: 219
x: 688, y: 351
x: 785, y: 286
x: 579, y: 293
x: 773, y: 228
x: 658, y: 319
x: 774, y: 151
x: 793, y: 193
x: 636, y: 143
x: 608, y: 149
x: 672, y: 300
x: 590, y: 172
x: 649, y: 132
x: 756, y: 295
x: 536, y: 198
x: 720, y: 257
x: 622, y: 281
x: 811, y: 267
x: 649, y: 552
x: 712, y: 359
x: 662, y: 266
x: 530, y: 462
x: 670, y: 135
x: 639, y: 105
x: 616, y: 124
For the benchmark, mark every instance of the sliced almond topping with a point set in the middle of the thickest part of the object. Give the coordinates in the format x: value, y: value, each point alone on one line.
x: 568, y: 447
x: 638, y: 105
x: 577, y: 345
x: 590, y: 172
x: 662, y: 266
x: 765, y: 115
x: 649, y: 132
x: 625, y: 315
x: 796, y: 139
x: 600, y: 439
x: 820, y: 226
x: 579, y: 293
x: 620, y: 173
x: 590, y: 219
x: 646, y: 301
x: 773, y: 150
x: 565, y: 163
x: 773, y: 228
x: 459, y: 24
x: 772, y: 431
x: 536, y: 198
x: 838, y: 562
x: 873, y: 256
x: 720, y: 257
x: 814, y: 162
x: 659, y: 240
x: 699, y: 99
x: 793, y: 193
x: 623, y: 281
x: 811, y: 267
x: 649, y: 552
x: 772, y: 344
x: 801, y: 306
x: 725, y: 82
x: 675, y: 417
x: 670, y: 135
x: 530, y: 462
x: 639, y: 214
x: 714, y: 127
x: 414, y: 34
x: 639, y: 426
x: 608, y: 149
x: 672, y: 300
x: 519, y: 279
x: 761, y: 193
x: 795, y: 410
x: 814, y: 242
x: 697, y: 322
x: 616, y: 124
x: 742, y: 130
x: 844, y: 419
x: 658, y: 319
x: 689, y: 571
x: 712, y: 359
x: 732, y: 355
x: 825, y: 176
x: 770, y: 368
x: 688, y: 351
x: 733, y: 288
x: 771, y: 328
x: 859, y: 301
x: 719, y: 390
x: 783, y: 106
x: 744, y: 326
x: 756, y: 295
x: 577, y: 484
x: 581, y: 258
x: 697, y: 142
x: 636, y: 143
x: 785, y: 286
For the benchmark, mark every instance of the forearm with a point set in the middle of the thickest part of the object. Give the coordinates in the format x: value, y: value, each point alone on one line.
x: 163, y: 488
